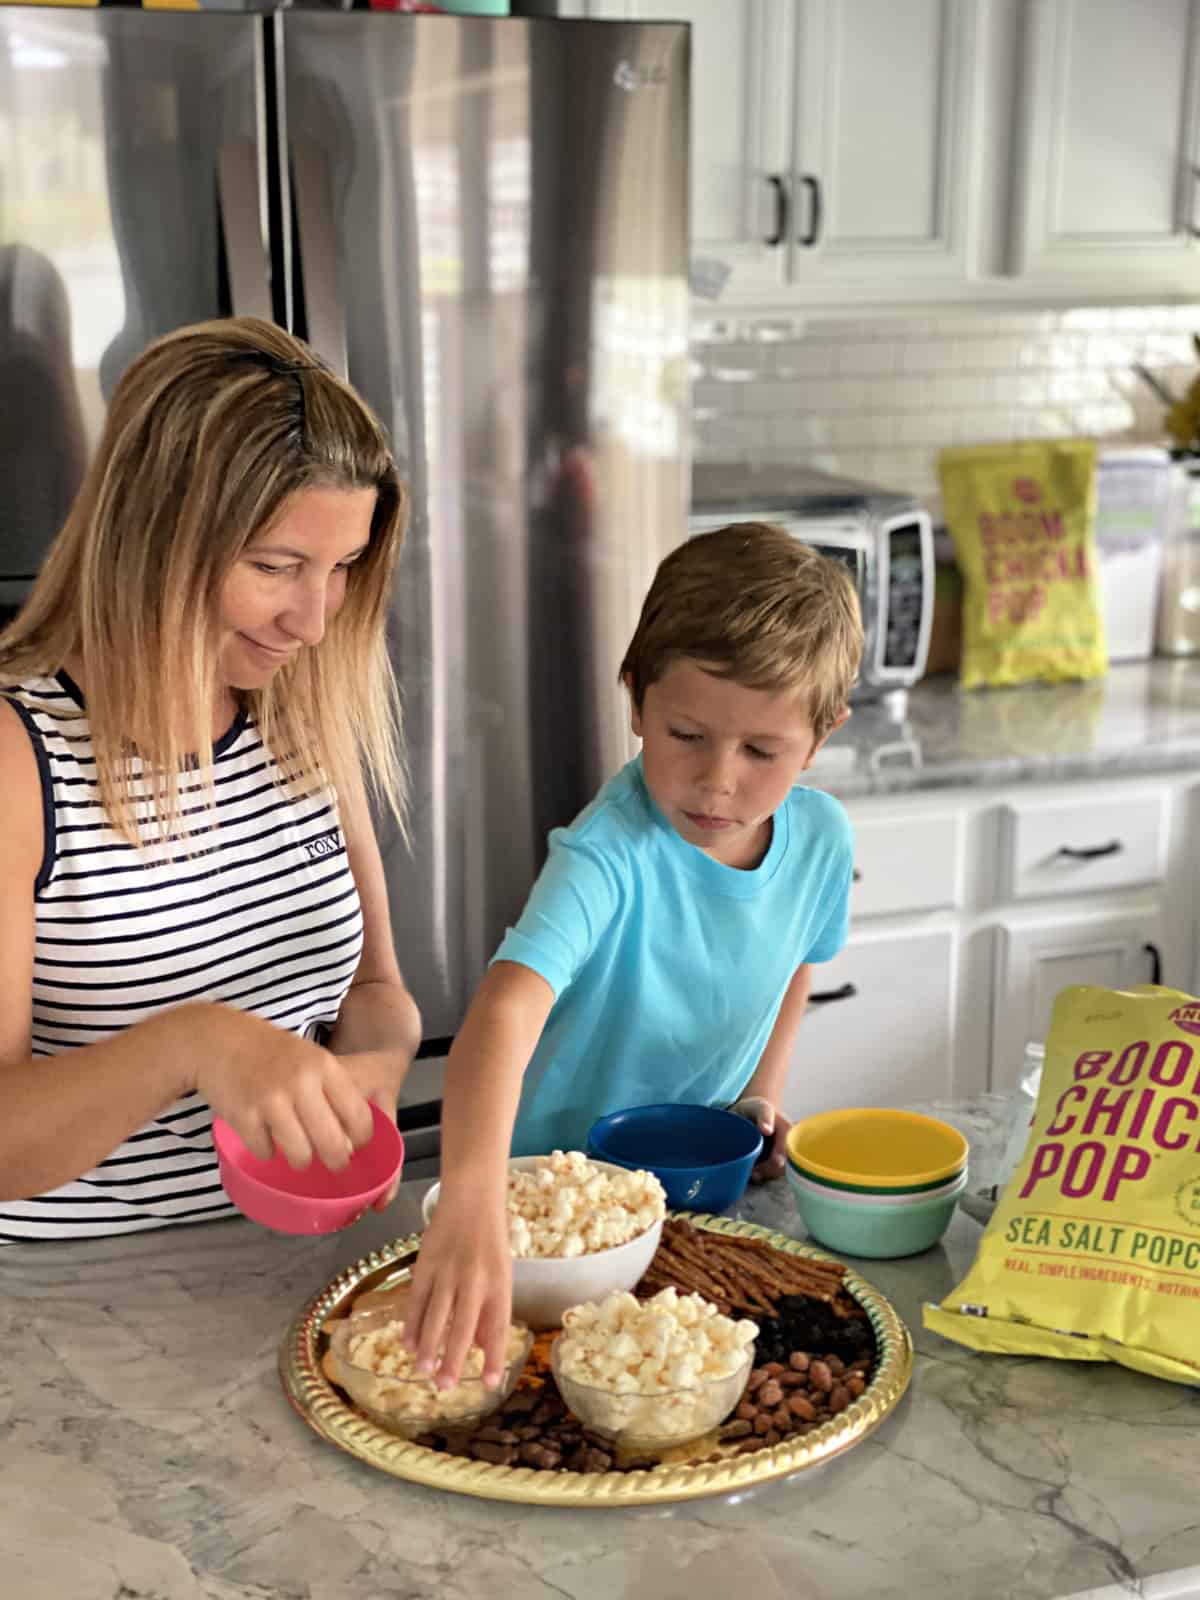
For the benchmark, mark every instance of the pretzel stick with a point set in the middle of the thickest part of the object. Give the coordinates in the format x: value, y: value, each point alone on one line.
x: 695, y: 1275
x: 711, y: 1263
x: 734, y: 1271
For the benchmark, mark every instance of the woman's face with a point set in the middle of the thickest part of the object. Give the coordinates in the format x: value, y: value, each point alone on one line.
x: 289, y: 581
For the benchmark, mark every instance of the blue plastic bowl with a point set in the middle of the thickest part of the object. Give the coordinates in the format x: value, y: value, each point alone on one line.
x: 700, y: 1155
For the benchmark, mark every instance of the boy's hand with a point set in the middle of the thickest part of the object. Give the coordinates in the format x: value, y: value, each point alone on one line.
x: 461, y: 1290
x: 773, y: 1126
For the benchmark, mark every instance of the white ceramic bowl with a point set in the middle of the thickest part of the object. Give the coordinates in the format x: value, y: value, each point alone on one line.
x: 545, y: 1287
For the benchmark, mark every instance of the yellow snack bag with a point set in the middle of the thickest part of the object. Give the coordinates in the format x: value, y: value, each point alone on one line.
x: 1093, y: 1251
x: 1021, y: 517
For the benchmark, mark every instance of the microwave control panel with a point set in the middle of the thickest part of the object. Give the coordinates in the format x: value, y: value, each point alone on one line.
x: 906, y: 596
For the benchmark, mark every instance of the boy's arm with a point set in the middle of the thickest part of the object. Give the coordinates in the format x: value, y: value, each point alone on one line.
x: 760, y: 1099
x: 462, y: 1284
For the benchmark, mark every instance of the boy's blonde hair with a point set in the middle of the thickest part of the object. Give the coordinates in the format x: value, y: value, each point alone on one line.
x: 752, y: 603
x: 209, y: 433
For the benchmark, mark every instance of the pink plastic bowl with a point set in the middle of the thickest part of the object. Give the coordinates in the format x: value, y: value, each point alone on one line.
x: 315, y: 1200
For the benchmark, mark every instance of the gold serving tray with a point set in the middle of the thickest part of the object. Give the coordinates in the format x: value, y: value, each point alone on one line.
x: 322, y: 1407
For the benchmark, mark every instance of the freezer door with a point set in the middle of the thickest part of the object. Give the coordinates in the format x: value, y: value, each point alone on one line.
x: 490, y: 232
x: 125, y: 133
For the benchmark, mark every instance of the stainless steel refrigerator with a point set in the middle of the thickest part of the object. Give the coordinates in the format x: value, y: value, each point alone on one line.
x: 482, y: 222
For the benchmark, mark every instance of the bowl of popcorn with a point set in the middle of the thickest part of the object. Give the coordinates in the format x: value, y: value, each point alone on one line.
x: 651, y: 1374
x: 579, y: 1230
x: 367, y: 1357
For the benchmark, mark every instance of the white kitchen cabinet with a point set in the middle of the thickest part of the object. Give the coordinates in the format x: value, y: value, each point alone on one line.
x: 966, y: 921
x: 1107, y: 138
x: 834, y: 143
x: 879, y: 1025
x: 1036, y: 957
x: 741, y: 146
x: 938, y: 151
x: 1070, y: 845
x: 886, y: 146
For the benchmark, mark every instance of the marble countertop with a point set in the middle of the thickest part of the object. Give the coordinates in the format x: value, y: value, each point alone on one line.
x: 1143, y: 717
x: 147, y: 1453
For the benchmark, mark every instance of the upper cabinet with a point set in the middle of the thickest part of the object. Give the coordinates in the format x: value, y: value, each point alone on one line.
x: 886, y: 145
x: 832, y: 143
x: 1107, y: 145
x: 742, y: 100
x: 852, y: 151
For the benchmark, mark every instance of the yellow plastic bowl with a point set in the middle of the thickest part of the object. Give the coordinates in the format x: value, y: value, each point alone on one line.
x: 877, y: 1147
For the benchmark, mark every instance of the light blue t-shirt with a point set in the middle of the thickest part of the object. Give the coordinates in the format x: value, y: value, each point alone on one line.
x: 668, y: 967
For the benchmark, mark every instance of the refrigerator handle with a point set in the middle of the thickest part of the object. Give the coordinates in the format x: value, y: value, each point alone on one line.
x: 325, y: 314
x: 241, y: 229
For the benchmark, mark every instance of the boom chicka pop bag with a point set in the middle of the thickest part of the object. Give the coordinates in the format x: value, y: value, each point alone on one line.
x: 1093, y: 1251
x: 1022, y: 520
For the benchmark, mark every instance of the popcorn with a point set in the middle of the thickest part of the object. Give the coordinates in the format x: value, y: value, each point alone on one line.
x: 567, y: 1206
x: 398, y: 1386
x: 664, y: 1369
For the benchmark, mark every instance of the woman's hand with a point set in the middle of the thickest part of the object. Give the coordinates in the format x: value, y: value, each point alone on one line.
x: 275, y: 1089
x: 462, y: 1288
x: 773, y: 1126
x: 379, y: 1074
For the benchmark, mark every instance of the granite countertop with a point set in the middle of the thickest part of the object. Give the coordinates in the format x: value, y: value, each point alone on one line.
x: 1143, y: 717
x: 147, y: 1453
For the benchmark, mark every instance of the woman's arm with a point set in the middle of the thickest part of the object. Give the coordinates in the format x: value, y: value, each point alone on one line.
x: 378, y: 1027
x: 63, y: 1114
x: 760, y: 1099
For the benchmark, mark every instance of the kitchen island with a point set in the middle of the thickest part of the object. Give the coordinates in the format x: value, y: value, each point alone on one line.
x: 147, y: 1453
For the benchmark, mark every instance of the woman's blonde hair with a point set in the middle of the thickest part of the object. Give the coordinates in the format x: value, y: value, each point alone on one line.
x: 752, y: 603
x: 209, y: 433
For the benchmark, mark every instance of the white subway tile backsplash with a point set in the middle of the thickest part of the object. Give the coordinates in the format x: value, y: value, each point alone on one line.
x: 791, y: 361
x: 768, y: 398
x: 1089, y: 319
x: 876, y: 358
x: 793, y: 430
x: 878, y: 396
x: 864, y: 429
x: 735, y: 363
x: 930, y: 356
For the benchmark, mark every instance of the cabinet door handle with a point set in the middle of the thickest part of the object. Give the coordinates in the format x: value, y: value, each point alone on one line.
x: 813, y: 186
x: 855, y: 876
x: 1155, y: 955
x: 1191, y: 226
x: 825, y: 997
x: 1092, y: 852
x: 780, y: 232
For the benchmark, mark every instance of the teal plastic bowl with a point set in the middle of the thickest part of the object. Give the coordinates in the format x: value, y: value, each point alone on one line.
x: 858, y: 1228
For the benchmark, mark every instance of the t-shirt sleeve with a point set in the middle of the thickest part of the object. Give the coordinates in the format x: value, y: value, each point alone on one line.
x: 834, y: 926
x: 575, y: 898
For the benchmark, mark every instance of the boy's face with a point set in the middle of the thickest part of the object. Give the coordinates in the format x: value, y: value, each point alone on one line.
x: 719, y: 758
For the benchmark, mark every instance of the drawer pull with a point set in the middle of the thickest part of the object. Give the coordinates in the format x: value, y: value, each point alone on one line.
x: 1092, y: 852
x: 781, y: 211
x: 825, y: 997
x: 1155, y: 955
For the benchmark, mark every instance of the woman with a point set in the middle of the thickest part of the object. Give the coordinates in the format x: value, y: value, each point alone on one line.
x: 191, y: 896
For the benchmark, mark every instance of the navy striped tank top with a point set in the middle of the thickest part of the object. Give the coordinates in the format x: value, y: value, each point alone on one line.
x: 263, y: 915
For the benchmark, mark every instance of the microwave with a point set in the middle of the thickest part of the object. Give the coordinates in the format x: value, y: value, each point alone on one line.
x: 884, y: 539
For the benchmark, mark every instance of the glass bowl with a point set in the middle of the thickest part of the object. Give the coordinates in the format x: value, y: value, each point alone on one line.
x: 657, y: 1420
x: 413, y: 1406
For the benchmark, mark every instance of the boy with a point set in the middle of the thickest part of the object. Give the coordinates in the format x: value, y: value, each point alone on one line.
x: 663, y: 953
